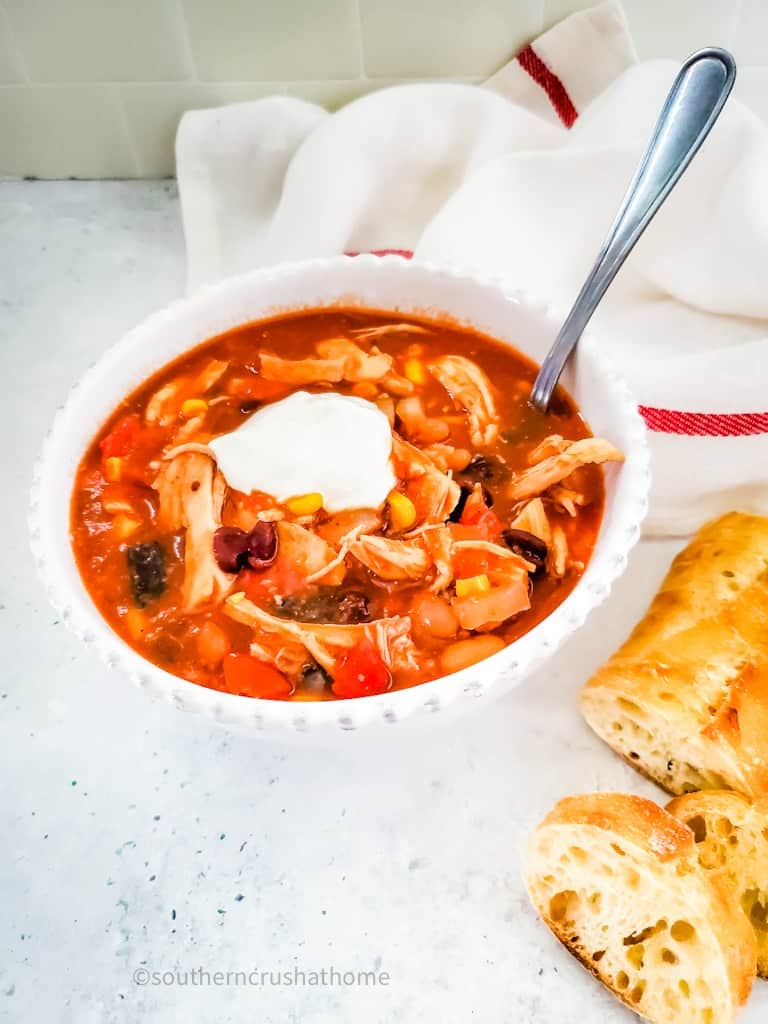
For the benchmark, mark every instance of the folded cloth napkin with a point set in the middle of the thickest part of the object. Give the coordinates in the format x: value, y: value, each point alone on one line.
x: 520, y: 179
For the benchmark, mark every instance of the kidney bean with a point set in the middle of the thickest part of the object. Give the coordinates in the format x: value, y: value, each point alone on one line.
x: 262, y: 545
x: 233, y: 548
x: 230, y: 547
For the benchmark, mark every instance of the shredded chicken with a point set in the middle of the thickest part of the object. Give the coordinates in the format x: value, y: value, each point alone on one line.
x: 488, y: 610
x: 552, y: 445
x: 567, y: 498
x: 163, y: 407
x: 438, y: 541
x: 289, y: 658
x: 418, y: 426
x: 470, y: 388
x: 391, y: 559
x: 338, y: 561
x: 191, y: 494
x: 437, y: 493
x: 372, y: 333
x: 326, y: 643
x: 555, y: 468
x: 533, y: 519
x: 339, y: 526
x: 310, y: 554
x: 557, y: 557
x: 339, y: 359
x: 510, y: 559
x: 189, y: 446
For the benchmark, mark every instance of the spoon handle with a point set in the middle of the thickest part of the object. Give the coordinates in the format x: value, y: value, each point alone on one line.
x: 693, y: 105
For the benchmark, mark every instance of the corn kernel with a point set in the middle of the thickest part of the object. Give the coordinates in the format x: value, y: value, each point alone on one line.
x: 113, y: 469
x: 305, y: 504
x: 193, y: 407
x: 402, y: 511
x: 414, y: 371
x: 236, y: 598
x: 472, y: 586
x: 124, y: 525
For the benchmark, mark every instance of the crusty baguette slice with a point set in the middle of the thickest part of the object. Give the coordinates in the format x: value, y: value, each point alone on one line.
x: 617, y: 880
x: 685, y: 700
x: 732, y: 837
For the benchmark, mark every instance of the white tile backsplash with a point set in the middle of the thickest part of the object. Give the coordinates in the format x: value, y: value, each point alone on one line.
x: 56, y: 131
x: 95, y: 88
x: 11, y: 69
x: 274, y: 40
x: 433, y: 38
x: 675, y: 28
x: 99, y: 40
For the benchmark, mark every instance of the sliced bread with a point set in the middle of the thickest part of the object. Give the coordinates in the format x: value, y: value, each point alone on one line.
x: 685, y: 699
x: 731, y: 835
x: 616, y: 878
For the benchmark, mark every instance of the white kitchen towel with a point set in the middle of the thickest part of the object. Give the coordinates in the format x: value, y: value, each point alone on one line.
x: 521, y: 179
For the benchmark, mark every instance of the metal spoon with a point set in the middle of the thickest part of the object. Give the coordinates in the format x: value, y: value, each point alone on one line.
x: 689, y: 112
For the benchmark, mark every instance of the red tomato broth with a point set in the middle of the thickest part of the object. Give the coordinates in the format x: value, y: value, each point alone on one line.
x: 167, y: 635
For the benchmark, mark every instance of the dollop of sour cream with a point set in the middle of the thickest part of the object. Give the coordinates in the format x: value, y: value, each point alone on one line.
x: 335, y: 445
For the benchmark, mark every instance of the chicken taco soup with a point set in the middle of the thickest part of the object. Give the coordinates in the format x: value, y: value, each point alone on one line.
x: 333, y: 504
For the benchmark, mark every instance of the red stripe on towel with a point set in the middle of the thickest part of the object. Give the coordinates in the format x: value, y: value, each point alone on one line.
x: 705, y: 424
x: 405, y: 253
x: 533, y: 65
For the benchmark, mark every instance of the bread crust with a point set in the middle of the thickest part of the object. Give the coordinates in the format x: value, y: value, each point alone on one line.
x: 685, y: 699
x: 639, y: 833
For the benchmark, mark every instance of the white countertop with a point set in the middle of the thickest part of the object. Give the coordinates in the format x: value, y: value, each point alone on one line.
x: 138, y: 838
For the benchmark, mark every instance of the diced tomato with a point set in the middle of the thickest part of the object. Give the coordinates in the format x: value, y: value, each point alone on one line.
x: 361, y: 672
x: 477, y: 513
x: 282, y: 577
x: 249, y: 677
x: 122, y: 437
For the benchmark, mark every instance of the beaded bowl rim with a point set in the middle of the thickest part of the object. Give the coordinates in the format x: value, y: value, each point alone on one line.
x: 492, y: 677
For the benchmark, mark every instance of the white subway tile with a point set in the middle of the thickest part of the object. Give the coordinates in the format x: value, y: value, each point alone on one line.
x: 675, y: 28
x: 750, y: 40
x: 99, y: 40
x: 10, y: 64
x: 64, y: 131
x: 267, y: 40
x: 432, y: 38
x: 752, y: 88
x: 153, y: 111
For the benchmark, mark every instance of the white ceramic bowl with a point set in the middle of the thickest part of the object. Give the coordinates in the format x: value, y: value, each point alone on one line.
x: 389, y: 283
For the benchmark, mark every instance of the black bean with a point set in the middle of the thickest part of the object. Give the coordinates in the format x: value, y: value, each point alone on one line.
x: 353, y: 607
x: 528, y: 546
x: 230, y: 548
x: 458, y: 508
x: 262, y: 546
x: 326, y: 604
x: 484, y: 467
x: 314, y: 678
x: 146, y: 565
